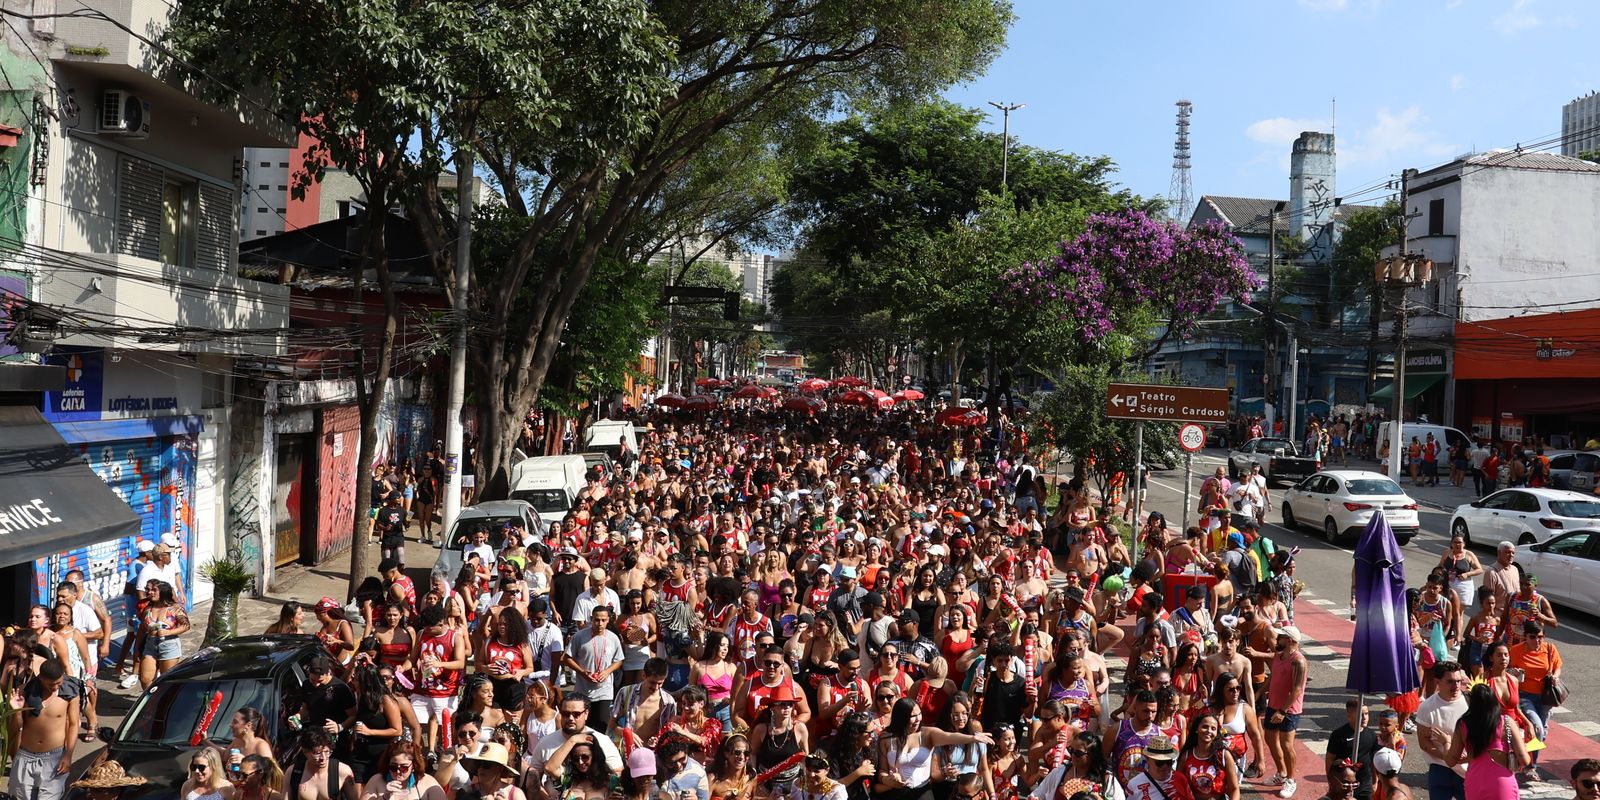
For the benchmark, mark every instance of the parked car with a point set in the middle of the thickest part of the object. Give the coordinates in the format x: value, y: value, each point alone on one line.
x: 1568, y: 567
x: 260, y: 672
x: 1279, y: 459
x: 1524, y: 516
x: 1341, y: 502
x: 493, y: 515
x: 1573, y: 470
x: 1217, y: 436
x: 595, y: 458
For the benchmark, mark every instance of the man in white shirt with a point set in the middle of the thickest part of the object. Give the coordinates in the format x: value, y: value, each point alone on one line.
x: 598, y: 594
x: 480, y: 546
x: 594, y: 655
x: 1157, y: 781
x: 162, y: 566
x: 544, y: 639
x: 1436, y: 721
x: 573, y: 716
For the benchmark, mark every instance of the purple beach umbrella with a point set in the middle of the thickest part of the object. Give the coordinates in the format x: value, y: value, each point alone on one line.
x: 1382, y: 661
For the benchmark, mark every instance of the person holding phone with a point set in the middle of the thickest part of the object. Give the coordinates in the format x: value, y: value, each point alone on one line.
x: 400, y: 776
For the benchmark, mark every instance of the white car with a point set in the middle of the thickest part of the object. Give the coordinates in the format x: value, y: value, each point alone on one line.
x: 1524, y: 516
x: 1341, y: 502
x: 1568, y: 567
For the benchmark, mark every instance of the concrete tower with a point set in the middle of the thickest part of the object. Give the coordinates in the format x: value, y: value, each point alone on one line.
x: 1311, y: 172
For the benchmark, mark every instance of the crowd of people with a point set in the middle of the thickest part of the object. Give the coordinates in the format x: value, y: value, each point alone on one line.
x: 840, y: 607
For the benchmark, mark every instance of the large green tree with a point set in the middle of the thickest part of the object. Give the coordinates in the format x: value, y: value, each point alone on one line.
x: 362, y: 78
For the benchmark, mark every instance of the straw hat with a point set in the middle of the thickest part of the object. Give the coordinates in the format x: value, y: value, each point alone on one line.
x: 108, y: 775
x: 493, y: 753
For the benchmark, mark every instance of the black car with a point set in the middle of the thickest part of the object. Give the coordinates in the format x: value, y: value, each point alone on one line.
x: 258, y: 672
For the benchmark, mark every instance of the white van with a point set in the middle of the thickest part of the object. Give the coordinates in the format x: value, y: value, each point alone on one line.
x: 1445, y: 435
x: 550, y: 484
x: 608, y: 436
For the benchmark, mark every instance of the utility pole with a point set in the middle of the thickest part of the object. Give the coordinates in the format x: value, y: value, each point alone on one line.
x: 1269, y: 337
x: 453, y: 435
x: 1294, y: 381
x: 1005, y: 136
x: 1401, y: 274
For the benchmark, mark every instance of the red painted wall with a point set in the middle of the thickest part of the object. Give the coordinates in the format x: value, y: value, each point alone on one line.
x: 339, y: 439
x: 302, y: 212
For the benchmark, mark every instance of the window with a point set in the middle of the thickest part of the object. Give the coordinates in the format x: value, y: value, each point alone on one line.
x: 178, y: 201
x: 213, y: 390
x: 266, y: 163
x: 260, y: 232
x: 280, y: 211
x: 1571, y: 544
x: 1436, y: 217
x: 280, y: 188
x: 282, y: 165
x: 262, y: 187
x: 260, y: 210
x: 1526, y: 503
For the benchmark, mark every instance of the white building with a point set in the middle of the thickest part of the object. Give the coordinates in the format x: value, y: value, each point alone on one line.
x: 1580, y: 125
x: 129, y: 190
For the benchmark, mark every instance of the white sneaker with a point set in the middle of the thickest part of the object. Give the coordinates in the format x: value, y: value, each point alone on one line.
x: 1288, y: 788
x: 129, y: 681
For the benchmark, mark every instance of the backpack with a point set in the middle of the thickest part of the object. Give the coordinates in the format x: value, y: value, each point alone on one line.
x: 1263, y: 548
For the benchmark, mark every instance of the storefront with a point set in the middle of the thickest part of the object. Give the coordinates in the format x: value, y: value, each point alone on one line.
x: 132, y: 419
x: 1426, y: 386
x: 1530, y: 378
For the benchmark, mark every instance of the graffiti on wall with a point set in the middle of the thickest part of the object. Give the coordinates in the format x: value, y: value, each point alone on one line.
x: 244, y: 481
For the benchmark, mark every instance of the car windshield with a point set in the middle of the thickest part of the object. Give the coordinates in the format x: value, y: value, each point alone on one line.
x: 1575, y: 509
x: 544, y: 501
x: 169, y: 713
x: 462, y: 535
x: 1361, y: 487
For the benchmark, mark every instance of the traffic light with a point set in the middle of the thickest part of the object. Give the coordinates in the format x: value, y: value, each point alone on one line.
x: 730, y: 306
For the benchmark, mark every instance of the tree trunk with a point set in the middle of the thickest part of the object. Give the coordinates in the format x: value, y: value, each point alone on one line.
x: 375, y: 252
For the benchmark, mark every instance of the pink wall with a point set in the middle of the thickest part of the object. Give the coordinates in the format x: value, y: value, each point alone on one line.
x: 302, y: 212
x: 339, y: 440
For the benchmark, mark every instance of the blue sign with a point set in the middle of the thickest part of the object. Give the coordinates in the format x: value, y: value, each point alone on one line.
x: 80, y: 399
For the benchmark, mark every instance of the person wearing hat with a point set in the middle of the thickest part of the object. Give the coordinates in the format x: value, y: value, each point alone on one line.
x: 163, y: 566
x: 566, y: 585
x: 1286, y: 690
x: 1159, y: 776
x: 915, y: 649
x: 106, y: 780
x: 1240, y: 565
x: 639, y: 779
x: 1386, y: 766
x: 337, y: 634
x: 848, y: 603
x: 493, y: 774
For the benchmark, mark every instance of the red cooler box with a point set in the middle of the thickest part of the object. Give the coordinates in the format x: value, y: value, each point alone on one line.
x: 1174, y: 587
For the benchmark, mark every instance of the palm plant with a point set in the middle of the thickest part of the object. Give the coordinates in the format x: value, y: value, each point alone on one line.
x: 229, y: 578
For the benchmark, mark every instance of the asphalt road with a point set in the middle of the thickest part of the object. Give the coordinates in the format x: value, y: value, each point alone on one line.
x: 1325, y: 569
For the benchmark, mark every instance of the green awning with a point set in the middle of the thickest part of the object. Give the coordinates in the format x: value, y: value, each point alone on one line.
x: 1415, y: 385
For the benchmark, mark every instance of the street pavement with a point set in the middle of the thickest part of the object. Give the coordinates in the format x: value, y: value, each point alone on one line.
x: 1322, y: 614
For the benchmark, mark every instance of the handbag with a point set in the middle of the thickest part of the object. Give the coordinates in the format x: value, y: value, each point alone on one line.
x: 1555, y: 692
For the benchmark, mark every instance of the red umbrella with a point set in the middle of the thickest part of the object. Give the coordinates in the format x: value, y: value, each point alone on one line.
x: 750, y: 391
x: 770, y: 392
x: 909, y: 395
x: 849, y: 381
x: 670, y: 400
x: 810, y: 385
x: 961, y: 417
x: 885, y: 402
x: 856, y: 397
x: 714, y: 383
x: 809, y: 405
x: 701, y: 402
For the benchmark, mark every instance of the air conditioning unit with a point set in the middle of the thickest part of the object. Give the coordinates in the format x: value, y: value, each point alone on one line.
x: 124, y: 113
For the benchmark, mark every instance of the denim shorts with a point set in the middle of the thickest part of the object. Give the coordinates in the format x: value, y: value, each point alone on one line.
x: 163, y: 648
x: 1290, y: 723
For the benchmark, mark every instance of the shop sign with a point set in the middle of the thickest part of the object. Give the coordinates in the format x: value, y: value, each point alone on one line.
x: 1425, y: 362
x: 1483, y: 427
x: 80, y: 397
x: 1546, y: 350
x: 1510, y: 427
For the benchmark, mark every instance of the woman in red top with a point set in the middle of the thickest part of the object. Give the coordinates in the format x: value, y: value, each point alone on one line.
x: 1205, y: 768
x: 506, y: 658
x: 955, y: 638
x: 394, y: 637
x: 336, y: 634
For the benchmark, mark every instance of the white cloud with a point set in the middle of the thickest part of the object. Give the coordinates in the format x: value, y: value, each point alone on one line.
x: 1517, y: 18
x: 1325, y: 5
x: 1458, y: 82
x: 1394, y: 134
x: 1282, y: 131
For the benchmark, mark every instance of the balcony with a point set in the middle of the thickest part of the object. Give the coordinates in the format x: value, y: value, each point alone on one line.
x: 97, y: 54
x: 136, y: 303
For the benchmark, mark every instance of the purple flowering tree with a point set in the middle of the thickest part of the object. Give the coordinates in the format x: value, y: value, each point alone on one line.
x: 1130, y: 273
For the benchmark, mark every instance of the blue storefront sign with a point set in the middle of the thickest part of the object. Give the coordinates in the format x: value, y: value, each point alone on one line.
x: 80, y: 399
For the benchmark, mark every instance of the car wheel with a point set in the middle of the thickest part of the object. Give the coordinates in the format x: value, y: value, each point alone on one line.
x: 1526, y: 538
x: 1330, y: 530
x: 1403, y: 540
x: 1288, y: 516
x: 1459, y: 528
x: 1233, y: 471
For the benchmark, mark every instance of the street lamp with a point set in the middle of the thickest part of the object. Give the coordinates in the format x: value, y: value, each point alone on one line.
x: 1399, y: 275
x: 1005, y: 135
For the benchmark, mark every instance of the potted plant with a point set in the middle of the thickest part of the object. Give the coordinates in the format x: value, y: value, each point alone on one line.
x: 229, y: 578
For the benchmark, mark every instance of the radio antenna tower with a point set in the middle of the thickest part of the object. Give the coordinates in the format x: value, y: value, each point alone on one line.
x: 1180, y: 196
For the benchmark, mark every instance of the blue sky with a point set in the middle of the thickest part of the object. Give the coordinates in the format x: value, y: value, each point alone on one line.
x: 1417, y: 82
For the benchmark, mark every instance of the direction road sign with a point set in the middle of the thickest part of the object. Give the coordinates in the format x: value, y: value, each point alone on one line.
x: 1166, y: 403
x: 1192, y: 437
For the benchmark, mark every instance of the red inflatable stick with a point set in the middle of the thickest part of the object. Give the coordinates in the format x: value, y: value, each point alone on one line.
x: 445, y: 732
x: 206, y: 719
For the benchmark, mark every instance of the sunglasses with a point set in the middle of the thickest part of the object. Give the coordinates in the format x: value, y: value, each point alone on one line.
x: 199, y: 767
x: 1076, y: 752
x: 1589, y: 784
x: 885, y: 698
x: 772, y: 664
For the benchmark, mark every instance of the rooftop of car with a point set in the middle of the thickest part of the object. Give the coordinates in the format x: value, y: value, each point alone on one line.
x: 242, y: 658
x: 494, y: 508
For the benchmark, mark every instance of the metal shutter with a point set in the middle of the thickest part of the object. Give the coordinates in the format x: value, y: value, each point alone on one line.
x: 139, y: 208
x: 214, y: 227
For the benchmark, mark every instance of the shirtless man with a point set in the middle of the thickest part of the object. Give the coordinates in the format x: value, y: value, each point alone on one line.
x: 645, y: 706
x: 1258, y: 643
x: 39, y: 770
x: 321, y: 774
x: 1087, y: 556
x: 633, y: 571
x: 1030, y: 590
x: 1229, y: 659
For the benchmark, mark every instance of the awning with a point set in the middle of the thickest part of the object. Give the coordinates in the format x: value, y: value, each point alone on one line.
x: 50, y: 501
x: 1415, y: 385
